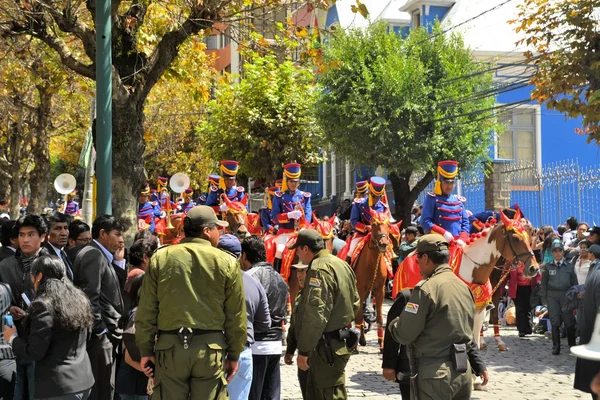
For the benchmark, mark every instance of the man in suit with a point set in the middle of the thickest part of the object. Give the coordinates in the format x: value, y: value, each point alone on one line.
x: 80, y: 235
x: 98, y: 270
x: 57, y: 239
x: 9, y: 238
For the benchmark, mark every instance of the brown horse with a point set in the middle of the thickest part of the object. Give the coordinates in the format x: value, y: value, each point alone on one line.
x: 371, y: 271
x: 237, y: 217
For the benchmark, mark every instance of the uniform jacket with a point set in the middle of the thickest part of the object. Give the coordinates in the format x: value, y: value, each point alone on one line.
x: 360, y: 216
x: 201, y: 200
x: 234, y: 193
x: 148, y: 211
x: 478, y: 220
x: 185, y: 208
x: 72, y: 208
x: 440, y: 312
x: 329, y: 300
x: 62, y: 365
x: 286, y: 202
x: 210, y: 295
x: 555, y: 278
x: 265, y: 220
x: 277, y: 294
x: 585, y: 370
x: 99, y: 280
x: 445, y: 213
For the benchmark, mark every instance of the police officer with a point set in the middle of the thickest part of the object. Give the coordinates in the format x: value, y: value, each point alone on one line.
x: 438, y: 322
x: 267, y: 223
x: 227, y: 185
x: 558, y: 276
x: 147, y: 211
x: 288, y: 205
x: 194, y: 298
x: 328, y: 303
x: 444, y: 212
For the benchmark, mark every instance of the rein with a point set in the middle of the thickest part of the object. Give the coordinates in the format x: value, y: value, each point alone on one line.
x: 515, y: 259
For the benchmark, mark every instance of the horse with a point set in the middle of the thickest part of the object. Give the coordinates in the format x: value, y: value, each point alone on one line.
x: 237, y: 217
x: 371, y: 270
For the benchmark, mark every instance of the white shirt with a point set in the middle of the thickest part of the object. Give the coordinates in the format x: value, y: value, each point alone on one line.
x: 582, y: 268
x: 110, y: 257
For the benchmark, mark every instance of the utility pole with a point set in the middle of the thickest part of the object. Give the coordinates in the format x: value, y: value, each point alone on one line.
x: 103, y: 107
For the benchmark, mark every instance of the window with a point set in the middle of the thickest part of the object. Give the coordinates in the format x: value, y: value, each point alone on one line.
x: 416, y: 20
x: 518, y: 141
x: 212, y: 42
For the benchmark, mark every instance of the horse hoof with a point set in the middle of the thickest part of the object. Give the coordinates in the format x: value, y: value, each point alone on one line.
x: 502, y: 347
x: 362, y: 341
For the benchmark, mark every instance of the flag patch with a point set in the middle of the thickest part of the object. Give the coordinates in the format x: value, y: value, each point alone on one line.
x: 411, y: 308
x: 314, y: 282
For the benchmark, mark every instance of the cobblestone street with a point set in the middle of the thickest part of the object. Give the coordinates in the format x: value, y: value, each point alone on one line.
x: 527, y: 371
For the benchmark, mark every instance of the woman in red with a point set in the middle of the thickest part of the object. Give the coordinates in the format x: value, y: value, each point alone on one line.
x: 519, y: 289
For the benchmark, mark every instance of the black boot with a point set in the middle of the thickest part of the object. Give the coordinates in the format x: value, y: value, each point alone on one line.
x: 571, y: 335
x: 277, y: 265
x: 349, y: 260
x: 555, y: 340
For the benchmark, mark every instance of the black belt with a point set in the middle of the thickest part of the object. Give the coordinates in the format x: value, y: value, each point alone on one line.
x: 194, y: 331
x: 333, y: 334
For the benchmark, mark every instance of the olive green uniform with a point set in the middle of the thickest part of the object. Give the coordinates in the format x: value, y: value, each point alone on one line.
x: 328, y: 303
x: 191, y: 285
x: 440, y: 313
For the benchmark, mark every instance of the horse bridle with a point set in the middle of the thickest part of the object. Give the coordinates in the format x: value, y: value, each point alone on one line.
x: 515, y: 261
x: 376, y: 240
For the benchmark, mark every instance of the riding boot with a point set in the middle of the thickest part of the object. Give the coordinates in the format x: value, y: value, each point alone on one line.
x: 555, y: 340
x: 349, y: 260
x: 571, y: 336
x: 277, y: 265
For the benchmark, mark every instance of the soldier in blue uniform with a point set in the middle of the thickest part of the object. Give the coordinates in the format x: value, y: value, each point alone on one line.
x: 444, y: 212
x: 360, y: 217
x: 227, y: 185
x: 479, y: 220
x: 268, y: 225
x: 213, y: 180
x: 187, y: 200
x: 287, y: 208
x: 146, y: 210
x: 72, y: 207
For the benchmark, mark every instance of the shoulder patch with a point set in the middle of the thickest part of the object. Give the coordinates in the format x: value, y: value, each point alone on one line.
x: 463, y: 199
x: 314, y: 282
x: 214, y: 188
x: 431, y: 194
x: 278, y: 194
x: 240, y: 189
x: 412, y: 308
x: 203, y: 197
x: 307, y: 194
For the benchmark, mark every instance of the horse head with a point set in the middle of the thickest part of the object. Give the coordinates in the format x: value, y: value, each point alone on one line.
x: 237, y: 216
x: 516, y: 244
x: 380, y: 230
x: 324, y: 227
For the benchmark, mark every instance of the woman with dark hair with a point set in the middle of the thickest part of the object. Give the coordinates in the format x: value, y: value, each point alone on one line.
x: 57, y: 327
x: 132, y: 383
x: 544, y: 239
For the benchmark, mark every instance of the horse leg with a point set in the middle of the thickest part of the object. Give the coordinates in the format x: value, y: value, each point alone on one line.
x: 359, y: 323
x: 477, y: 325
x: 379, y: 295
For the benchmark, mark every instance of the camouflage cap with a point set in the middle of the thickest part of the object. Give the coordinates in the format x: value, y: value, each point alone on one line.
x: 307, y: 237
x: 203, y: 215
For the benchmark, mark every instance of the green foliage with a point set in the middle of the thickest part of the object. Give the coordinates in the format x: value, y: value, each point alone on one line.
x: 404, y: 104
x: 265, y: 120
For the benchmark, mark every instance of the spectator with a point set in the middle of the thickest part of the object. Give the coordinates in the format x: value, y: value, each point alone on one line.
x: 79, y: 235
x: 15, y: 271
x: 338, y: 210
x: 8, y: 366
x: 395, y: 360
x: 582, y: 263
x: 543, y: 242
x: 346, y: 231
x: 594, y: 235
x: 139, y: 258
x: 580, y: 235
x: 410, y: 244
x: 414, y: 214
x: 57, y: 239
x: 292, y: 341
x: 338, y: 244
x: 558, y: 276
x: 571, y: 230
x: 594, y: 256
x: 9, y: 238
x: 258, y: 319
x: 146, y: 234
x: 267, y: 348
x: 346, y: 210
x: 132, y: 383
x: 96, y: 271
x: 210, y: 281
x: 54, y: 333
x: 519, y: 289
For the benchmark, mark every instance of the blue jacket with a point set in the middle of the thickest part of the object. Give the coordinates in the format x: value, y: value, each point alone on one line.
x: 147, y: 212
x: 286, y: 202
x: 445, y: 213
x: 234, y: 193
x: 265, y: 219
x: 360, y: 216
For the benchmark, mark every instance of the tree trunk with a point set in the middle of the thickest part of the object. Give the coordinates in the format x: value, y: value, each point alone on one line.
x: 405, y: 197
x: 40, y: 175
x: 128, y: 162
x: 4, y: 187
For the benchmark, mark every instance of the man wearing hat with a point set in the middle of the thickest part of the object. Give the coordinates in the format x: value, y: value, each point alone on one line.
x: 187, y: 204
x: 268, y: 225
x: 437, y: 321
x: 360, y: 217
x: 558, y: 276
x: 201, y: 329
x: 229, y: 170
x: 72, y: 207
x: 146, y: 210
x: 594, y: 235
x: 444, y: 212
x: 329, y: 301
x: 410, y: 244
x: 213, y: 180
x: 479, y: 220
x: 288, y: 206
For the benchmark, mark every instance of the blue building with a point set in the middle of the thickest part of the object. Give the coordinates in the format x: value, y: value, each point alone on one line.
x: 553, y: 172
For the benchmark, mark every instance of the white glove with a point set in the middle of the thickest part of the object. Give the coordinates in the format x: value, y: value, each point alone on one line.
x: 296, y: 214
x: 223, y: 208
x: 163, y: 214
x: 461, y: 243
x: 448, y: 236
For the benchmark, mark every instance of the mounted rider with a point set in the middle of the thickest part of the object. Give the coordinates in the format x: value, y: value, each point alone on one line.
x: 227, y: 185
x: 187, y: 203
x: 479, y: 220
x: 443, y: 212
x: 360, y: 217
x: 267, y: 223
x: 213, y: 180
x: 72, y: 207
x: 147, y: 211
x: 289, y: 206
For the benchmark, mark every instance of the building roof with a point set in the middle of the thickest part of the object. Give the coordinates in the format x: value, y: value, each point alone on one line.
x: 392, y: 13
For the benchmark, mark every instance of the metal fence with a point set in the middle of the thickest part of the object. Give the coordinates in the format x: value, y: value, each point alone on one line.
x: 547, y: 196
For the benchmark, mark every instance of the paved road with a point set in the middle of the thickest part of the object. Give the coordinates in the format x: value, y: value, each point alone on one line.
x: 527, y: 371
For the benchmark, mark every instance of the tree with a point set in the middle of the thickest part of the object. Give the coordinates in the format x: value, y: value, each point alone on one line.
x: 146, y: 40
x: 265, y: 120
x: 565, y: 39
x: 405, y: 104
